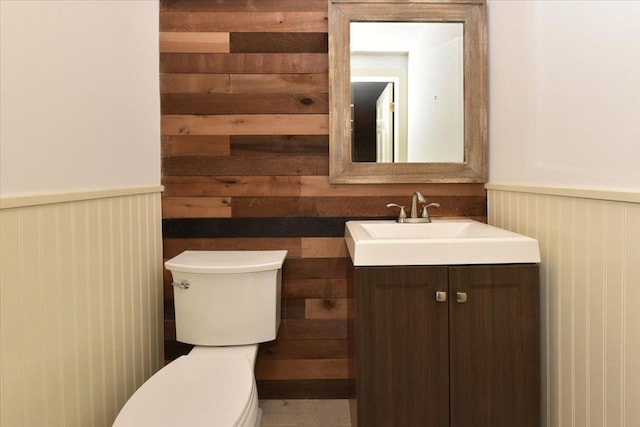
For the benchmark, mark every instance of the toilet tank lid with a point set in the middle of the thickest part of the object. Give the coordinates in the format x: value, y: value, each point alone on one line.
x: 226, y: 261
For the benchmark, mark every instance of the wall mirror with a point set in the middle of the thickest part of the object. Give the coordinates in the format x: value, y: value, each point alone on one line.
x: 407, y: 84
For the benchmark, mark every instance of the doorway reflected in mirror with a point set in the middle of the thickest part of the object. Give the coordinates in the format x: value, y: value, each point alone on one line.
x: 372, y: 121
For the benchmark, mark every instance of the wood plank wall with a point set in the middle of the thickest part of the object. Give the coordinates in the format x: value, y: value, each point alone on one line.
x: 244, y: 95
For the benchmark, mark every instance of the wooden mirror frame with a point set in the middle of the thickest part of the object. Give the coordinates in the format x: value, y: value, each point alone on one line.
x: 472, y: 13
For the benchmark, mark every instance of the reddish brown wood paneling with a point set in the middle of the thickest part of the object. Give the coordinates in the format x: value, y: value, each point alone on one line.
x: 194, y: 42
x: 245, y: 165
x: 303, y: 349
x: 276, y: 186
x: 196, y: 207
x: 240, y: 103
x: 279, y: 83
x: 279, y: 144
x: 315, y: 288
x: 246, y: 124
x: 173, y: 247
x: 309, y: 369
x: 347, y: 206
x: 245, y: 138
x: 187, y: 145
x: 279, y: 42
x: 244, y: 63
x: 313, y: 329
x: 244, y: 5
x: 244, y: 21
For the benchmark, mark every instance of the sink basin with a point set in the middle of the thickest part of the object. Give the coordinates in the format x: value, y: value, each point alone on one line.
x: 441, y: 242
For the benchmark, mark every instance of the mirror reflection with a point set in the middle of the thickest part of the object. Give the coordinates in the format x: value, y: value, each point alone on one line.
x: 407, y: 92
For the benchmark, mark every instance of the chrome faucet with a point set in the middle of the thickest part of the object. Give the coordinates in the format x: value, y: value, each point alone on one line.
x: 417, y: 197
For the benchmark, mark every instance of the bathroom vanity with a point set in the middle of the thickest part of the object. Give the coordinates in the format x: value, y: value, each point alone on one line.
x: 454, y: 341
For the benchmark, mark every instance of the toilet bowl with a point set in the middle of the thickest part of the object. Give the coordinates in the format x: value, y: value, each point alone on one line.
x: 211, y: 386
x: 226, y: 303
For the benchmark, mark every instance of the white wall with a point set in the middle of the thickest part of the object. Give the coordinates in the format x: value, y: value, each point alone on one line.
x: 436, y: 120
x: 564, y: 167
x: 79, y: 103
x: 564, y: 93
x: 80, y: 214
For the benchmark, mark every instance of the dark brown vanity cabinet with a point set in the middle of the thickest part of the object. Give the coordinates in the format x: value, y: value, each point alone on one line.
x: 438, y: 346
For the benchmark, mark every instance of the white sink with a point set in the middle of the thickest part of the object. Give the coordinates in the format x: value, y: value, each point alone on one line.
x: 441, y: 242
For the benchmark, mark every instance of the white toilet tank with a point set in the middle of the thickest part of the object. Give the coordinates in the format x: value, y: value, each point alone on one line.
x: 227, y: 297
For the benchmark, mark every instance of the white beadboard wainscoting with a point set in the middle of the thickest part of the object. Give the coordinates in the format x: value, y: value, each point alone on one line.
x: 590, y: 282
x: 80, y: 305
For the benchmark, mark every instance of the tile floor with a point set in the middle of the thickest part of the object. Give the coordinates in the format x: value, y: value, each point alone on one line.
x: 305, y: 413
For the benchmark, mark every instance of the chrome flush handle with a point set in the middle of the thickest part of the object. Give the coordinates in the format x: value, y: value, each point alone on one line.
x: 182, y: 285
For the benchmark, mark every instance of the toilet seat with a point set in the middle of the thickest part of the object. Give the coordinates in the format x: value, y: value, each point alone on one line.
x: 196, y: 391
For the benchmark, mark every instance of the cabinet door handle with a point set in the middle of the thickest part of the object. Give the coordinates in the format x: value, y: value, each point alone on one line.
x: 441, y: 296
x: 461, y: 297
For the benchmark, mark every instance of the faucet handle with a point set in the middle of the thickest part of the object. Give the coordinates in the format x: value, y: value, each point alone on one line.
x: 402, y: 215
x: 425, y: 212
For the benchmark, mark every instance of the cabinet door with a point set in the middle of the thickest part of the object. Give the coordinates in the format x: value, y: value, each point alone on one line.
x: 402, y: 347
x: 495, y: 353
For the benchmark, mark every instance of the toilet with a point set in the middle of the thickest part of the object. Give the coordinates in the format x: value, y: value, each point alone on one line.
x: 226, y: 302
